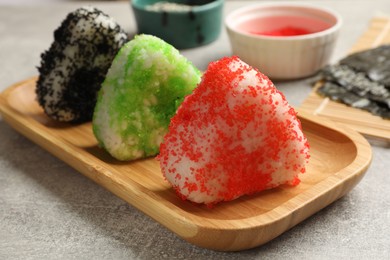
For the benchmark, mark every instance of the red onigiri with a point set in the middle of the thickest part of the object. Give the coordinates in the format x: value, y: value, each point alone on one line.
x: 235, y: 134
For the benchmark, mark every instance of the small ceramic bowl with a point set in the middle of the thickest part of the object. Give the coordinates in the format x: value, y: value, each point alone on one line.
x: 284, y: 40
x: 184, y: 24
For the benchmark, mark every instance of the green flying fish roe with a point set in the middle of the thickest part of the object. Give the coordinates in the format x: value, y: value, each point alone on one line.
x: 145, y: 85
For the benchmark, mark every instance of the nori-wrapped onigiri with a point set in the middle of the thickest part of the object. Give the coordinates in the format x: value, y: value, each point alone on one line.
x: 72, y: 70
x: 146, y: 83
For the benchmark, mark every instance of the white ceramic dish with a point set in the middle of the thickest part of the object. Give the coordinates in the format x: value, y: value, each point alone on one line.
x: 278, y: 56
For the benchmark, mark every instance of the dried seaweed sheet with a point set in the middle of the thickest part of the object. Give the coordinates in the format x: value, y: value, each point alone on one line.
x: 361, y: 80
x: 334, y: 92
x: 375, y: 63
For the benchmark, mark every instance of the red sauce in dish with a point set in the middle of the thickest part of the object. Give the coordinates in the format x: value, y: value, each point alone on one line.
x: 284, y: 31
x: 284, y: 25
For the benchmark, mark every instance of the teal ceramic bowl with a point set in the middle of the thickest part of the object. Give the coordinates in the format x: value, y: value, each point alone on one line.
x: 184, y: 24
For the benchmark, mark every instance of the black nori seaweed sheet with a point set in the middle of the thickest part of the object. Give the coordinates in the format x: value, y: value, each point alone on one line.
x: 336, y: 93
x: 357, y: 83
x: 375, y: 63
x: 361, y: 80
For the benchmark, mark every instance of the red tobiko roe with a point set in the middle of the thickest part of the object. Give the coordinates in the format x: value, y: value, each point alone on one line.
x: 234, y: 135
x: 285, y: 31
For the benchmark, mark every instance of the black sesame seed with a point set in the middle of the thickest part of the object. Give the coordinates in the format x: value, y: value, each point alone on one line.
x: 81, y: 79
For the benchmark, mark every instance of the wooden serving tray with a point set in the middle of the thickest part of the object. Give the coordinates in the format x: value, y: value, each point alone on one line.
x: 339, y: 159
x: 364, y: 122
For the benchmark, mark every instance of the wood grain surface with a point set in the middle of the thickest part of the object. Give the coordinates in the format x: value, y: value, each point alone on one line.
x: 339, y: 159
x: 374, y: 127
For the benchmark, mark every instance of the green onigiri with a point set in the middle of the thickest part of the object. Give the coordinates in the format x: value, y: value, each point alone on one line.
x: 144, y: 86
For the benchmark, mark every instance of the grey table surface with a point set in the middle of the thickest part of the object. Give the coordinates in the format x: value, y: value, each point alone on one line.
x: 48, y: 210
